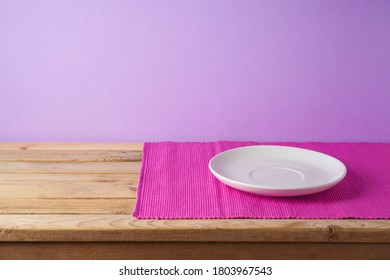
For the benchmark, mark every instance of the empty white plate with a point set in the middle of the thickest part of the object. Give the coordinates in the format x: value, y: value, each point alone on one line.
x: 277, y: 170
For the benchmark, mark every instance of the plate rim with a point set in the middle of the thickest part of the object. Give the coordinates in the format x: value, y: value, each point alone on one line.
x: 260, y: 187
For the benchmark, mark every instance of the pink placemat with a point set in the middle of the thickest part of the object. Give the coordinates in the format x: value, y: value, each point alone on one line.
x: 175, y: 183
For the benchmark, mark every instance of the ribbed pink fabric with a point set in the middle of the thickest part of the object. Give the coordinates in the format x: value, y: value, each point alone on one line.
x: 175, y: 183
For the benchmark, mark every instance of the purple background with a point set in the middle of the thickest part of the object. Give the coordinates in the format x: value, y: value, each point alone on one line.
x: 194, y: 70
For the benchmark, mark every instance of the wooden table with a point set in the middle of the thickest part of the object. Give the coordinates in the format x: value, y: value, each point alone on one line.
x: 74, y: 201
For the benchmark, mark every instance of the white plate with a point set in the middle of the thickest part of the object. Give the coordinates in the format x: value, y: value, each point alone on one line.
x: 277, y: 170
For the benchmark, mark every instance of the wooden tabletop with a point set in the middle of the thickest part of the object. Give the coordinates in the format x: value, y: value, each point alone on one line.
x: 75, y: 201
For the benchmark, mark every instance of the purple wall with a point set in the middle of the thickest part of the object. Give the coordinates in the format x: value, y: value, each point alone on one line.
x: 195, y: 70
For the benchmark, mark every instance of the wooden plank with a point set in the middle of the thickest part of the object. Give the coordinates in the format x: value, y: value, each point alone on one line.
x: 69, y: 156
x: 36, y: 179
x: 68, y: 185
x: 120, y: 228
x: 66, y: 206
x: 70, y: 146
x: 194, y: 251
x: 70, y: 167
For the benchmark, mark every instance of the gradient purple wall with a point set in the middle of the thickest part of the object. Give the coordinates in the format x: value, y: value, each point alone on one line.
x: 194, y: 70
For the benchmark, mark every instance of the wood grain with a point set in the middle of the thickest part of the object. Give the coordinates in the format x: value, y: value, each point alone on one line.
x: 70, y: 167
x: 193, y: 251
x: 66, y: 206
x: 69, y: 156
x: 50, y: 178
x: 99, y: 228
x: 68, y: 185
